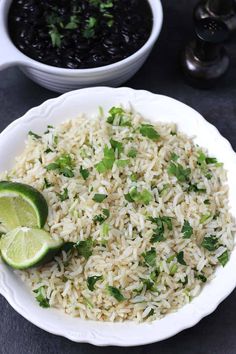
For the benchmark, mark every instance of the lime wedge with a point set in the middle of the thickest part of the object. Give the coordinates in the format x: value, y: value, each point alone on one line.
x: 21, y: 205
x: 24, y: 247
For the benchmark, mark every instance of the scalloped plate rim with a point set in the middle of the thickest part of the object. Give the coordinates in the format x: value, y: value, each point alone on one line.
x: 93, y: 337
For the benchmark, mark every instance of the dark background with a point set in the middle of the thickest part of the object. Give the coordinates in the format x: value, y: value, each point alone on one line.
x: 215, y: 334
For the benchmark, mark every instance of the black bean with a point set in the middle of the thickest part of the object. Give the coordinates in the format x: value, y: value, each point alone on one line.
x: 129, y: 28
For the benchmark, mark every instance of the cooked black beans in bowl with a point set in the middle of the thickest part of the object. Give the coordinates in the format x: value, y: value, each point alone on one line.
x: 78, y: 34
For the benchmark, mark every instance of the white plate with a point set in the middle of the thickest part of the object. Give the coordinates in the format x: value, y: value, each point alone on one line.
x: 155, y: 108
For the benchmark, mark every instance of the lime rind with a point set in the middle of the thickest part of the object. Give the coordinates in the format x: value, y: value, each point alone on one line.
x: 31, y: 196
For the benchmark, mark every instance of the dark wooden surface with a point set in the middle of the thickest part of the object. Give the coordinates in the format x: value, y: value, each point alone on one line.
x: 215, y: 334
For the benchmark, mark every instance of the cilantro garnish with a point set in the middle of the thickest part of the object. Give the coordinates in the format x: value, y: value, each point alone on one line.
x: 91, y: 281
x: 55, y: 35
x: 102, y: 218
x: 41, y: 298
x: 132, y: 153
x: 63, y: 164
x: 150, y: 257
x: 64, y: 196
x: 207, y: 202
x: 73, y: 24
x: 89, y: 30
x: 224, y: 258
x: 194, y: 188
x: 117, y: 146
x: 149, y: 284
x: 187, y: 230
x: 46, y: 183
x: 174, y: 157
x: 158, y: 235
x: 116, y: 293
x: 201, y: 277
x: 180, y: 258
x: 143, y: 197
x: 210, y: 243
x: 36, y: 136
x: 182, y: 174
x: 134, y: 178
x: 84, y: 248
x: 204, y: 161
x: 151, y: 313
x: 117, y: 117
x: 107, y: 162
x: 148, y: 131
x: 99, y: 198
x: 84, y: 173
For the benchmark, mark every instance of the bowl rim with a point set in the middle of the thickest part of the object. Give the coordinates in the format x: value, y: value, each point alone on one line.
x: 22, y: 59
x: 192, y: 313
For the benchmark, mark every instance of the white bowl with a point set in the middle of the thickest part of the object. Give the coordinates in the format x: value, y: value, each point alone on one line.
x: 63, y: 80
x: 156, y: 108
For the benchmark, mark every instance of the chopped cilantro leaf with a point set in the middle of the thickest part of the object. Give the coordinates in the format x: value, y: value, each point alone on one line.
x: 128, y: 198
x: 134, y: 178
x: 143, y: 197
x: 117, y: 146
x: 84, y: 248
x: 207, y: 202
x: 194, y: 188
x: 115, y: 293
x: 211, y: 160
x: 64, y: 196
x: 41, y: 298
x: 91, y: 281
x: 107, y: 162
x: 148, y: 131
x: 63, y: 164
x: 89, y: 30
x: 182, y: 174
x: 174, y: 157
x: 224, y: 258
x: 157, y: 238
x: 180, y: 258
x: 132, y: 153
x: 158, y: 235
x: 73, y: 24
x: 187, y: 230
x: 102, y: 218
x: 35, y: 136
x: 117, y: 117
x: 46, y: 183
x: 210, y: 243
x: 150, y: 313
x: 56, y: 37
x: 68, y: 246
x: 150, y: 257
x: 149, y: 284
x: 201, y: 277
x: 99, y: 198
x: 84, y: 172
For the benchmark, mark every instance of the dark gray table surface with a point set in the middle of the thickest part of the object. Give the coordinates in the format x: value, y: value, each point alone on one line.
x: 215, y: 334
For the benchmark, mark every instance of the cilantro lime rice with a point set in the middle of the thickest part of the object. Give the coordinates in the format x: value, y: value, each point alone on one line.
x: 142, y: 210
